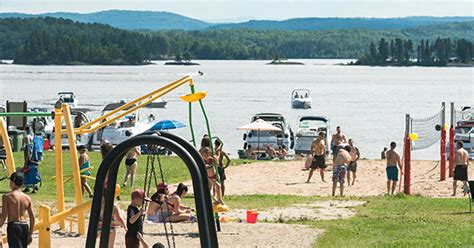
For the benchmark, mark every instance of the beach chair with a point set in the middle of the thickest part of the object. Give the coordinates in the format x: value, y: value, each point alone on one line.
x: 470, y: 185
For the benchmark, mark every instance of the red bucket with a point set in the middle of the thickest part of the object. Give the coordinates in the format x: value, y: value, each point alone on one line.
x: 46, y: 144
x: 252, y: 216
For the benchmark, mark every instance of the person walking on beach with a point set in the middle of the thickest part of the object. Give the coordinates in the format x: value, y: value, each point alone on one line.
x: 131, y: 165
x: 460, y: 171
x: 336, y: 141
x: 343, y: 158
x: 355, y: 155
x: 318, y: 151
x: 14, y: 205
x: 393, y: 160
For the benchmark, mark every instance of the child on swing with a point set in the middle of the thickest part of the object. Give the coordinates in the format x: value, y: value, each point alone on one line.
x: 209, y: 161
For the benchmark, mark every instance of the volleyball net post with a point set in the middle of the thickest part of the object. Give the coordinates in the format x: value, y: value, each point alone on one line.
x: 407, y: 156
x: 451, y: 141
x: 442, y: 143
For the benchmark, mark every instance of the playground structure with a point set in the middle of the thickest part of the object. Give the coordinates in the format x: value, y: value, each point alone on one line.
x: 62, y: 112
x: 421, y: 133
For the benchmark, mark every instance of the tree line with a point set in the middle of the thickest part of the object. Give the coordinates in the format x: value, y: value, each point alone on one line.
x: 402, y: 52
x: 61, y: 41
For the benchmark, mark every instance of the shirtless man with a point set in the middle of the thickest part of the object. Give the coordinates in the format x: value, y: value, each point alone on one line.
x: 393, y: 160
x: 318, y: 150
x: 337, y: 139
x: 15, y: 204
x: 355, y: 155
x: 343, y: 158
x: 460, y: 171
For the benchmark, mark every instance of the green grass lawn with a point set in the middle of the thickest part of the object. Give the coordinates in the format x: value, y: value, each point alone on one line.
x: 174, y: 171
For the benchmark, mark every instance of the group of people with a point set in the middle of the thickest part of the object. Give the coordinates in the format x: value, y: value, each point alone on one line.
x: 269, y: 153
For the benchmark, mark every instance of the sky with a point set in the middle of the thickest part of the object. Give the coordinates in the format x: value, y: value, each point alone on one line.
x: 242, y: 10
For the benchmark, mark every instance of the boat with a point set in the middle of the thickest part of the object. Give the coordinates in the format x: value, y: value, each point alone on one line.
x: 121, y: 129
x: 81, y: 140
x: 464, y: 131
x: 69, y: 98
x: 260, y: 139
x: 308, y: 130
x: 301, y: 99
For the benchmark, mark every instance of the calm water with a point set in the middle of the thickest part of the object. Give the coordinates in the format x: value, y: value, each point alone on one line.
x: 369, y: 103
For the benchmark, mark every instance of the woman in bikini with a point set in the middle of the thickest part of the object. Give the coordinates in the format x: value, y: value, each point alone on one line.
x: 131, y: 165
x: 209, y: 161
x: 117, y: 221
x: 168, y: 208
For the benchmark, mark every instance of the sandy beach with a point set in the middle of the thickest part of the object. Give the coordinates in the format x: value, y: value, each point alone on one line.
x: 276, y: 177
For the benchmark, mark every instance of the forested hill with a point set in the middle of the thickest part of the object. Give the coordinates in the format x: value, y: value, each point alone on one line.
x: 156, y: 21
x: 342, y: 23
x: 59, y: 41
x: 126, y: 19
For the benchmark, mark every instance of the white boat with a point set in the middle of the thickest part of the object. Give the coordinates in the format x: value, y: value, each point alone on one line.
x: 69, y: 98
x: 81, y: 140
x: 301, y: 98
x: 308, y: 130
x: 120, y: 130
x: 260, y: 139
x: 464, y: 131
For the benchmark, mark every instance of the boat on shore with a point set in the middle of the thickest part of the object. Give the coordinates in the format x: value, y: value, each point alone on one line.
x: 301, y: 99
x: 260, y: 139
x: 308, y: 129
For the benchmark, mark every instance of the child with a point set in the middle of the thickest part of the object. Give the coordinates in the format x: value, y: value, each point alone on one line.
x: 85, y: 168
x: 135, y: 211
x: 15, y: 204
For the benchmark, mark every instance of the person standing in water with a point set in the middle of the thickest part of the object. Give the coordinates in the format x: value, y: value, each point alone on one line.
x: 393, y: 160
x: 355, y: 155
x: 131, y: 165
x: 318, y: 151
x: 460, y: 171
x: 14, y: 205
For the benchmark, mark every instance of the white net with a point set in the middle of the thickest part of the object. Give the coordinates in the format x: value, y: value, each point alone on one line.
x: 428, y: 134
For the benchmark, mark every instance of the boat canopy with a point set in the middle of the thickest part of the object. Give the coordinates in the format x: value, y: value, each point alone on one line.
x: 314, y: 118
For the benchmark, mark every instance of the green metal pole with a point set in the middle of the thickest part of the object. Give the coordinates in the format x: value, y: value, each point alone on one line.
x: 191, y: 124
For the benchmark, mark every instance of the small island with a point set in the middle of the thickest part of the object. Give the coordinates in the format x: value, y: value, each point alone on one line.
x: 285, y: 62
x: 400, y: 52
x: 182, y: 60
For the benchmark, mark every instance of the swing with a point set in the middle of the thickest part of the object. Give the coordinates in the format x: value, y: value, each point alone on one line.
x: 150, y: 174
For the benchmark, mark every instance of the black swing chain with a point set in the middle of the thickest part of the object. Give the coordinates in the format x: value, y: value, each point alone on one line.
x: 166, y: 201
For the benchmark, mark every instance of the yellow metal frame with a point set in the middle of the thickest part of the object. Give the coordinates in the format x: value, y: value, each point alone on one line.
x: 45, y: 217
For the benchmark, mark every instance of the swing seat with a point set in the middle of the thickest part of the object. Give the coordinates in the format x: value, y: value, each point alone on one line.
x: 220, y: 208
x: 194, y: 97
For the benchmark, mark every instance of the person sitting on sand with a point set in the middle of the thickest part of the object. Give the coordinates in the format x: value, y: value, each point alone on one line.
x: 318, y: 152
x: 460, y: 171
x: 383, y: 154
x: 162, y: 207
x: 343, y: 158
x: 180, y: 212
x: 336, y: 141
x: 393, y: 160
x: 250, y: 152
x: 270, y: 151
x: 355, y: 155
x: 282, y: 152
x: 211, y: 174
x: 15, y: 204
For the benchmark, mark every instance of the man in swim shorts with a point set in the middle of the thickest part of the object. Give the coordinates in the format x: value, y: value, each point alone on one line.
x: 393, y: 160
x: 355, y: 155
x: 460, y: 171
x: 15, y: 204
x: 318, y: 150
x: 336, y: 141
x: 343, y: 158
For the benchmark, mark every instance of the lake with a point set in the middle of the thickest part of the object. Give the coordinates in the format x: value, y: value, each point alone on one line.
x: 369, y: 103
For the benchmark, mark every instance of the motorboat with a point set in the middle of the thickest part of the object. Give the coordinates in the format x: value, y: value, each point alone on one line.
x: 261, y: 139
x: 308, y: 129
x: 78, y: 118
x: 464, y: 131
x: 69, y: 98
x: 121, y: 129
x: 301, y: 99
